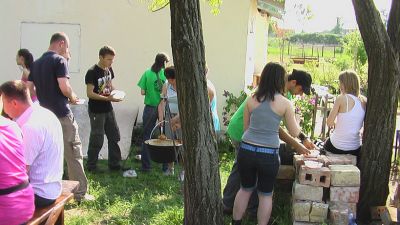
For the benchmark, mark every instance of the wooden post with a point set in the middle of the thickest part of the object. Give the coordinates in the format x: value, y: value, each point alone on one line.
x: 334, y: 51
x: 312, y: 50
x: 322, y: 51
x: 314, y: 116
x: 325, y: 112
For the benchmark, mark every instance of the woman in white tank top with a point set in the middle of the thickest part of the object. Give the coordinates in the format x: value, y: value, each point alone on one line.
x: 349, y: 112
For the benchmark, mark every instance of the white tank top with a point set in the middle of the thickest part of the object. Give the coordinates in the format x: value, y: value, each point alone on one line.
x: 346, y: 135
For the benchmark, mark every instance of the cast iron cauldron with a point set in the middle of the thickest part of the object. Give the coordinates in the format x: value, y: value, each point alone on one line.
x: 163, y: 151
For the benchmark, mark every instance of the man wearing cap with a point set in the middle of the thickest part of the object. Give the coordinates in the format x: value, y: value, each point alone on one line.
x: 299, y: 82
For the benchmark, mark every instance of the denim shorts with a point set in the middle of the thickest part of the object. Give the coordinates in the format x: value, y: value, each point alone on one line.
x: 258, y: 167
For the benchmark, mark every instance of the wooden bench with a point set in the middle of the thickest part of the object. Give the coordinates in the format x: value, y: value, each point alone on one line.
x: 54, y: 213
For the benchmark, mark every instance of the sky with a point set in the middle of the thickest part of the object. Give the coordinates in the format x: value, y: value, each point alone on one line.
x: 325, y: 13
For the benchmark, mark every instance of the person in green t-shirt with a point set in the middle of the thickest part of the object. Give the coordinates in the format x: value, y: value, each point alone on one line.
x: 299, y: 82
x: 151, y: 84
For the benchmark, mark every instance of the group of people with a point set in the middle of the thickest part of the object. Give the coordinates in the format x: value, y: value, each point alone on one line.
x: 40, y: 130
x: 158, y: 85
x: 255, y: 130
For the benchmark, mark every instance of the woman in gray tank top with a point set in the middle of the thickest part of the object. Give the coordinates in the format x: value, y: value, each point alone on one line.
x: 258, y: 158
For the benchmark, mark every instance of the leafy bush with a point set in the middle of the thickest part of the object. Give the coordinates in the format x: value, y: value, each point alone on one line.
x: 304, y: 106
x: 354, y: 46
x: 316, y: 38
x: 232, y: 104
x: 326, y: 74
x: 343, y: 62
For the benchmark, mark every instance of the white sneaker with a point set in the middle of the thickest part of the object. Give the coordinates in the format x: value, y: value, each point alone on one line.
x: 89, y: 197
x: 181, y: 176
x: 169, y: 172
x: 86, y: 197
x: 129, y: 173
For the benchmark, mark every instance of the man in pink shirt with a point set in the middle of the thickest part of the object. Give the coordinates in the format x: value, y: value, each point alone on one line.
x: 16, y: 195
x: 43, y: 141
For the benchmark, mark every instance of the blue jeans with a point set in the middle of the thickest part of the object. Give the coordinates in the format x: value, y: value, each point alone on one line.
x: 41, y: 202
x: 150, y: 115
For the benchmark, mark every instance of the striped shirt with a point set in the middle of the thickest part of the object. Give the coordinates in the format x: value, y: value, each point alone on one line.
x: 44, y: 150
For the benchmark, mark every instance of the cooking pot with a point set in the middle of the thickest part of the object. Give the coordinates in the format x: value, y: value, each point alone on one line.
x: 163, y: 151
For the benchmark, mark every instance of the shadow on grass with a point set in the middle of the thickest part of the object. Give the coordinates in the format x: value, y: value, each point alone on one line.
x: 151, y: 198
x: 141, y: 200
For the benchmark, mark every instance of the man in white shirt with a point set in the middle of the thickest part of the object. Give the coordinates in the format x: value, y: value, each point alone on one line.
x: 43, y: 141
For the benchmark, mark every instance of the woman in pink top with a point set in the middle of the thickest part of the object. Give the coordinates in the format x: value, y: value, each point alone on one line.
x: 16, y: 195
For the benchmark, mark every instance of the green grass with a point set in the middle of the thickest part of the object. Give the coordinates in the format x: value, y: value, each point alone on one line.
x: 151, y: 198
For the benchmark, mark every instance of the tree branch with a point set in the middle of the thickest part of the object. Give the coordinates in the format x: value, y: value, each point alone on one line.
x: 370, y: 25
x: 394, y: 26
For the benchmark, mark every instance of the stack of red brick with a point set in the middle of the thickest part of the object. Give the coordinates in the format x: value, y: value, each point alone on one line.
x: 334, y: 187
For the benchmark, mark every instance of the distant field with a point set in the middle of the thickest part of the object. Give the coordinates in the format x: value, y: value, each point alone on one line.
x: 298, y: 50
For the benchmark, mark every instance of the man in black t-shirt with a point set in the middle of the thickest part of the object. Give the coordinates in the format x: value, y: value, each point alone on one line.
x: 49, y: 78
x: 99, y: 86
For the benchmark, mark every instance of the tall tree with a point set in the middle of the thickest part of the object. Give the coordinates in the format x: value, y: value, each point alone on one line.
x: 202, y: 188
x: 383, y: 50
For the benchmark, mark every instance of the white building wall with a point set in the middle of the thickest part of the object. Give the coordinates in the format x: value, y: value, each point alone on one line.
x: 137, y: 35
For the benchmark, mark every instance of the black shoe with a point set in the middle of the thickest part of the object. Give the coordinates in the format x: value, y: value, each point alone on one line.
x: 236, y: 222
x: 95, y: 170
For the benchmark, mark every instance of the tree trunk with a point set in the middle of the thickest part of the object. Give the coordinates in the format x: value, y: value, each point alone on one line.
x: 379, y: 125
x: 202, y: 188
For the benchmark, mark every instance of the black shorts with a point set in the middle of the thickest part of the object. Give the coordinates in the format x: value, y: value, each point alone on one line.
x: 328, y: 146
x: 258, y: 167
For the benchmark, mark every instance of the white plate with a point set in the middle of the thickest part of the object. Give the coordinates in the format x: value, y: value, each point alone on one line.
x: 313, y: 154
x: 118, y: 94
x: 312, y: 164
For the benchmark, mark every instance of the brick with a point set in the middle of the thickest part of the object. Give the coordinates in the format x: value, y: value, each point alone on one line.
x: 304, y: 223
x: 338, y: 216
x: 307, y: 192
x: 319, y: 177
x: 389, y: 216
x: 301, y: 211
x: 285, y: 173
x: 345, y: 159
x: 298, y: 160
x: 345, y: 176
x: 324, y: 160
x: 344, y: 194
x: 319, y: 212
x: 343, y: 206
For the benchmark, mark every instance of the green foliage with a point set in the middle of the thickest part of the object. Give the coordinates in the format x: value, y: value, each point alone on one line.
x: 232, y: 103
x: 316, y: 38
x: 156, y: 5
x: 215, y: 6
x: 304, y: 106
x: 343, y: 62
x: 325, y: 73
x: 354, y: 46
